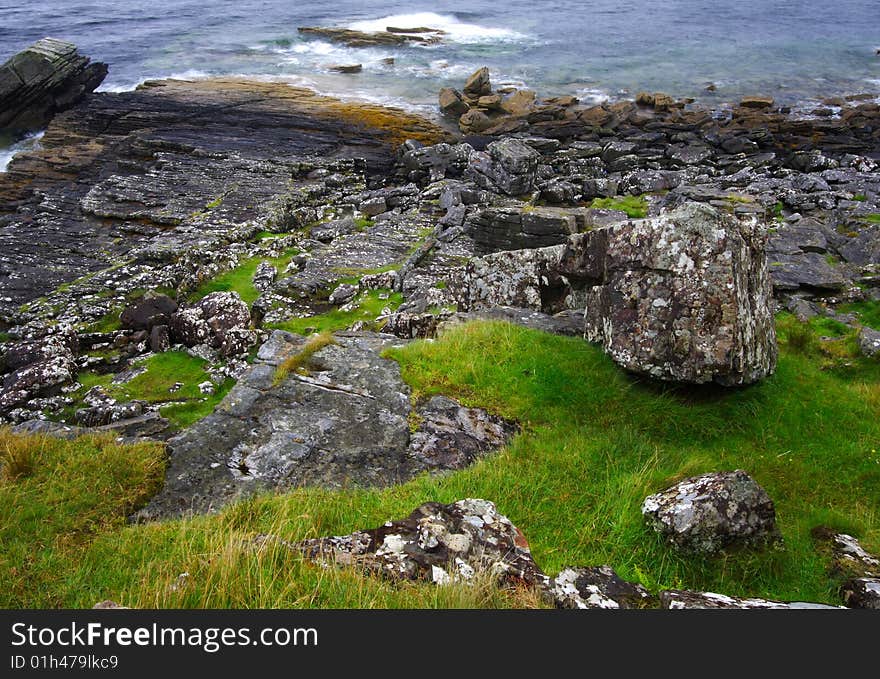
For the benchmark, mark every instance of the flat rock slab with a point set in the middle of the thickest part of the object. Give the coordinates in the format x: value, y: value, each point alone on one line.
x: 343, y: 419
x: 686, y: 600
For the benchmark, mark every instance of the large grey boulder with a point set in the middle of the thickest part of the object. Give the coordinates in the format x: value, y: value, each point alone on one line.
x: 683, y: 297
x: 48, y: 77
x: 507, y: 166
x: 705, y: 514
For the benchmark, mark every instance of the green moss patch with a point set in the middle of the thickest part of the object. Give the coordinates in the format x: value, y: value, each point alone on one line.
x: 635, y: 207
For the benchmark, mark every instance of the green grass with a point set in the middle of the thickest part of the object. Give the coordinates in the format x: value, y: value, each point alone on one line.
x: 873, y: 218
x: 240, y: 279
x: 595, y: 442
x: 868, y: 312
x: 861, y: 197
x: 300, y: 360
x: 185, y: 405
x: 369, y: 306
x: 635, y: 207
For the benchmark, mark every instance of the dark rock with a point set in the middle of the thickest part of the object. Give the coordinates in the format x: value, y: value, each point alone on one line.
x: 686, y: 600
x: 343, y: 294
x: 862, y: 593
x: 436, y: 543
x: 438, y: 161
x: 160, y: 339
x: 346, y: 68
x: 508, y: 166
x: 221, y: 320
x: 451, y: 436
x: 46, y: 78
x: 149, y: 311
x: 28, y: 352
x: 708, y: 513
x: 864, y: 249
x: 597, y: 587
x: 43, y: 378
x: 373, y: 206
x: 757, y: 101
x: 342, y: 420
x: 353, y: 38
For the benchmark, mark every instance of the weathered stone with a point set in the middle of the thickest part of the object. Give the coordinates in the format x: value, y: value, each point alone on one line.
x: 451, y: 436
x: 46, y: 78
x: 862, y: 593
x: 683, y: 297
x: 757, y: 101
x: 343, y: 294
x: 221, y: 320
x: 478, y: 84
x: 708, y: 513
x: 437, y: 543
x: 264, y: 276
x: 508, y: 166
x: 28, y: 352
x: 354, y: 38
x: 147, y: 312
x: 452, y: 103
x: 373, y: 206
x: 686, y: 600
x: 437, y: 161
x: 847, y: 556
x: 160, y: 339
x: 342, y: 420
x: 869, y: 341
x: 599, y: 587
x: 519, y: 103
x: 474, y: 122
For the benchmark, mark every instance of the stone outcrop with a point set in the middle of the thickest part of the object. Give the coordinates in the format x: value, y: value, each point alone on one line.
x: 148, y: 312
x: 37, y: 367
x: 598, y: 587
x: 342, y: 419
x: 354, y: 38
x: 47, y: 78
x: 708, y: 513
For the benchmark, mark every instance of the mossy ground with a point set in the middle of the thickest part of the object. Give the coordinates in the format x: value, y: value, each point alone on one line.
x: 635, y: 207
x: 595, y: 442
x: 367, y: 307
x: 184, y: 405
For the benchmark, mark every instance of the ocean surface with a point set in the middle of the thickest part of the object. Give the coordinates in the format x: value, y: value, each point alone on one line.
x: 795, y: 50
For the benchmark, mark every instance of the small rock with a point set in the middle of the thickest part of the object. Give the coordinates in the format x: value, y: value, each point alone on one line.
x: 452, y: 103
x: 756, y: 101
x: 478, y: 84
x: 599, y: 587
x: 474, y: 122
x: 343, y: 294
x: 373, y: 206
x: 862, y: 593
x: 705, y: 514
x: 345, y: 68
x: 869, y: 341
x: 147, y: 312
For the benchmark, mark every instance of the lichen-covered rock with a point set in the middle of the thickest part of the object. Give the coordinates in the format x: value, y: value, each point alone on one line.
x: 848, y: 557
x: 103, y: 409
x: 705, y: 514
x: 507, y: 166
x: 433, y: 163
x: 598, y: 587
x: 685, y: 600
x: 221, y: 320
x: 160, y: 339
x: 46, y: 78
x: 264, y: 276
x: 862, y: 593
x: 869, y: 341
x: 342, y: 420
x: 451, y: 436
x: 683, y: 297
x: 28, y: 352
x: 438, y: 543
x: 37, y: 379
x: 343, y: 293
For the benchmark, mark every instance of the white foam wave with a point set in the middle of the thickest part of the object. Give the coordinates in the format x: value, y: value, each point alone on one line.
x: 592, y: 96
x: 456, y: 31
x: 29, y: 143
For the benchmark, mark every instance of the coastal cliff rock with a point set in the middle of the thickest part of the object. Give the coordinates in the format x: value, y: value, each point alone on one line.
x: 47, y: 78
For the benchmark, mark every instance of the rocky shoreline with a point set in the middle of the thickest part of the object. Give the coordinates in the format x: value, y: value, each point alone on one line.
x: 218, y: 224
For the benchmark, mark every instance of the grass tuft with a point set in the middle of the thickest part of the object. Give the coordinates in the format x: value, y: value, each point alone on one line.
x: 635, y: 207
x: 300, y: 360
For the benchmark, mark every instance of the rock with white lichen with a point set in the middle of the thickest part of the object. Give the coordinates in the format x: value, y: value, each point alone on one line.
x: 598, y: 587
x: 686, y: 600
x: 708, y: 513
